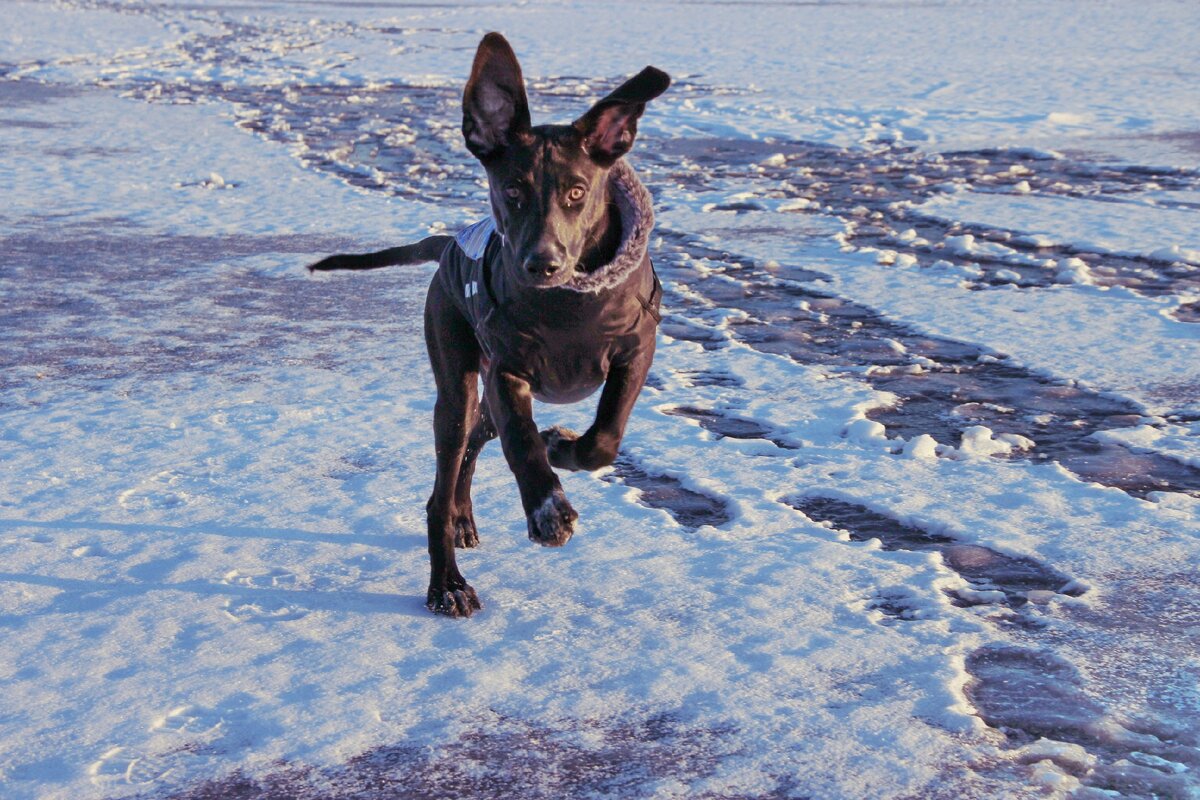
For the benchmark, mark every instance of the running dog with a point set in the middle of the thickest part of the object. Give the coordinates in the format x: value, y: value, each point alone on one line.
x: 551, y: 297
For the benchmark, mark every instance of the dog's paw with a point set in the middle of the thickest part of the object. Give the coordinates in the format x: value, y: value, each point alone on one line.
x: 465, y: 534
x: 560, y: 446
x: 552, y: 523
x: 461, y: 602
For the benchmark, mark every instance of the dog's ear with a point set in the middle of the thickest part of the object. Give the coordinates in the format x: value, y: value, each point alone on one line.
x: 609, y: 126
x: 494, y: 105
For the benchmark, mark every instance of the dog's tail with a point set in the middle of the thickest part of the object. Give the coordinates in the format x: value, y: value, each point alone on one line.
x: 429, y: 249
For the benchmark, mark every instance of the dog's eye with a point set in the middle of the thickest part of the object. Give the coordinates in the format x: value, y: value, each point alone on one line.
x: 512, y: 192
x: 575, y: 194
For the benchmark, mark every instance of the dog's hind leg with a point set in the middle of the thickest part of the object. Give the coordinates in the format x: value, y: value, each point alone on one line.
x: 482, y: 432
x: 597, y: 447
x: 454, y: 356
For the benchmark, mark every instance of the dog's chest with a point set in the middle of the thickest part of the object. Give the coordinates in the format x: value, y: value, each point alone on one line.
x: 563, y: 341
x: 567, y: 375
x: 567, y: 351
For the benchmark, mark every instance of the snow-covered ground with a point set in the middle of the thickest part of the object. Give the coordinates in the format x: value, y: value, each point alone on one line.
x: 909, y: 508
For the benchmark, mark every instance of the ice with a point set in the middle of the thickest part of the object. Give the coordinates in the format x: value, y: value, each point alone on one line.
x: 913, y: 483
x: 1127, y: 227
x: 1178, y: 441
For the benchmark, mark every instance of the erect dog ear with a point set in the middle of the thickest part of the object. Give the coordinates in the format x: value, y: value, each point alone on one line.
x: 609, y: 127
x: 494, y: 105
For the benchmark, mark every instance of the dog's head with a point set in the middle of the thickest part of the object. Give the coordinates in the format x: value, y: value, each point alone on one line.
x: 549, y: 183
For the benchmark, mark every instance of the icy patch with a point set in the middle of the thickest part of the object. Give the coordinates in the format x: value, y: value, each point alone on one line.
x: 689, y: 507
x: 992, y: 577
x: 1157, y: 232
x: 582, y: 758
x: 727, y: 425
x: 1035, y: 694
x: 1177, y: 441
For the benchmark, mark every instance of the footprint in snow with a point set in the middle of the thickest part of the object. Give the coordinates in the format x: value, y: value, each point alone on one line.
x: 993, y: 577
x: 157, y: 493
x: 271, y: 579
x: 246, y: 415
x: 690, y: 508
x: 123, y: 765
x: 189, y: 719
x: 251, y: 608
x: 262, y: 611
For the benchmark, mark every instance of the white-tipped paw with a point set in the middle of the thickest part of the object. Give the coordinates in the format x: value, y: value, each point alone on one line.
x: 552, y: 523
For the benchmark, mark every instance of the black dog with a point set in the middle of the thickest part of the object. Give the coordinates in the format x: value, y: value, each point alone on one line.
x: 551, y: 297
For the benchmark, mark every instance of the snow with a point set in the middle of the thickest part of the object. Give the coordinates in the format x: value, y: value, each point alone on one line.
x: 923, y: 446
x: 1180, y: 442
x: 978, y: 441
x: 795, y: 582
x: 1073, y: 270
x: 1057, y: 331
x: 1131, y: 227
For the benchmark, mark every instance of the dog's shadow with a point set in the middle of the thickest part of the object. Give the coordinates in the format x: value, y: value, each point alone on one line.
x: 249, y: 602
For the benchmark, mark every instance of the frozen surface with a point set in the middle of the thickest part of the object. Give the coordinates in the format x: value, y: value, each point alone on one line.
x: 910, y: 506
x: 1177, y: 441
x: 1159, y: 229
x: 1149, y: 356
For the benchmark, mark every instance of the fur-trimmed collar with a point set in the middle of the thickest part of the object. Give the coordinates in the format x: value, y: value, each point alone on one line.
x: 635, y: 206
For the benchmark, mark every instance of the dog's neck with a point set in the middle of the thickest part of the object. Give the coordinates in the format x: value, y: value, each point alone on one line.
x: 623, y: 237
x: 605, y: 238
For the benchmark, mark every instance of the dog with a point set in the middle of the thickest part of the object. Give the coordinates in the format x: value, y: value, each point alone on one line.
x: 551, y: 297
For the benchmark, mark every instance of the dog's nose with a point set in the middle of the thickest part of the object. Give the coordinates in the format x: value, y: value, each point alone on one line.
x: 540, y: 265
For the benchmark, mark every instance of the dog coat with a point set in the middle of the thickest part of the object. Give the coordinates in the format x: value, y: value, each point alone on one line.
x: 561, y: 338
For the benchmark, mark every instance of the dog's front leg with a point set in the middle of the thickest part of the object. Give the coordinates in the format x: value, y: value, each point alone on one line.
x: 597, y: 447
x: 550, y: 518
